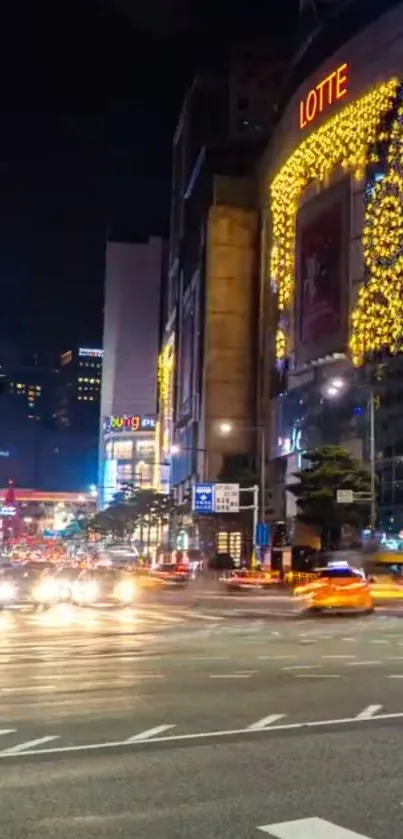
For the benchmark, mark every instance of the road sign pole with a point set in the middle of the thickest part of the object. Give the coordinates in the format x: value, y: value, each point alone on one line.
x: 255, y: 512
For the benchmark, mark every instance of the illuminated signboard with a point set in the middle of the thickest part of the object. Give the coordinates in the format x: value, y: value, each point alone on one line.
x: 325, y: 94
x: 129, y: 423
x: 86, y: 352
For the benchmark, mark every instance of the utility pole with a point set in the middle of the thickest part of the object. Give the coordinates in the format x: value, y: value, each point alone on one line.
x: 372, y: 457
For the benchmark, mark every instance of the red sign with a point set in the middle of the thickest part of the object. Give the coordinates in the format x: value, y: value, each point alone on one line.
x: 325, y: 94
x: 320, y: 276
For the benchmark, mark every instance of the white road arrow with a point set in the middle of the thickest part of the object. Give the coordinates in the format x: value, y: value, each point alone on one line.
x: 309, y: 829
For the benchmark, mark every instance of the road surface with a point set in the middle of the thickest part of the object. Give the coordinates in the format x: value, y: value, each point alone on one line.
x: 168, y: 721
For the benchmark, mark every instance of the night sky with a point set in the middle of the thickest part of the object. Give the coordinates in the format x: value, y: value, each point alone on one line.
x: 90, y: 96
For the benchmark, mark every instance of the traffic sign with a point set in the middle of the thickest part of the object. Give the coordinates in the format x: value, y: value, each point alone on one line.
x: 345, y: 496
x: 309, y: 828
x: 203, y: 498
x: 262, y: 534
x: 226, y: 498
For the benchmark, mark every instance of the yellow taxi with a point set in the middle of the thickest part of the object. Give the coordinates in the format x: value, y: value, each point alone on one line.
x: 385, y: 576
x: 338, y: 587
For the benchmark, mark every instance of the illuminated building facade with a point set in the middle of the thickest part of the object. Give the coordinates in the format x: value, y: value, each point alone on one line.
x: 333, y: 238
x: 213, y: 274
x: 78, y: 390
x: 134, y: 273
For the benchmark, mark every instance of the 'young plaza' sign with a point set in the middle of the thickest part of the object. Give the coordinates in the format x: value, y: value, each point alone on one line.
x: 128, y: 423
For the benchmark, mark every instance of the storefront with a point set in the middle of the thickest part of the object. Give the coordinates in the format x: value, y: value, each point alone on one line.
x: 128, y: 454
x: 334, y: 177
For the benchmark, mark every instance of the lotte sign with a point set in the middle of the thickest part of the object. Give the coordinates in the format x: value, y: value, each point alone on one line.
x: 325, y: 94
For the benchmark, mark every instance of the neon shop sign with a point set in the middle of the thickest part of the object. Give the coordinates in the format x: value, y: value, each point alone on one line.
x: 330, y: 90
x: 128, y: 423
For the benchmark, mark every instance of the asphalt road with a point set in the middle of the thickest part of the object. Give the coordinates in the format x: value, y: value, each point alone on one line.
x: 177, y: 720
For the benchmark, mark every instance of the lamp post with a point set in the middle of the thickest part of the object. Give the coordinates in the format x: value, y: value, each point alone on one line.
x: 334, y: 389
x: 226, y: 428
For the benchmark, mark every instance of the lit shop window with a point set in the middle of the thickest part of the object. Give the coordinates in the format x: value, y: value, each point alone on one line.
x: 145, y: 445
x: 123, y: 449
x: 125, y: 472
x: 108, y: 450
x: 143, y: 474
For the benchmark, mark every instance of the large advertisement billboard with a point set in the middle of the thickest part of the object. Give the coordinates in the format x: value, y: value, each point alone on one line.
x: 322, y: 260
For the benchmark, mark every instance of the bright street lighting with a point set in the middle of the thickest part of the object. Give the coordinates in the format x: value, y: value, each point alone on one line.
x: 225, y: 427
x: 337, y: 383
x: 335, y: 388
x: 175, y: 449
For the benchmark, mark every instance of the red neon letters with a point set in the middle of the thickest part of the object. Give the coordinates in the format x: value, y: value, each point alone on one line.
x: 328, y: 91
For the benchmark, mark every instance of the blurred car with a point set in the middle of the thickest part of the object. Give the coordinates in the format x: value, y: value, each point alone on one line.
x: 170, y: 574
x: 104, y: 586
x: 385, y: 579
x: 246, y: 579
x: 19, y: 585
x: 338, y: 587
x: 56, y: 586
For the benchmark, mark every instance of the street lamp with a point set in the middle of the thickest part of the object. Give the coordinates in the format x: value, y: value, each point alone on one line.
x: 335, y: 388
x: 226, y: 428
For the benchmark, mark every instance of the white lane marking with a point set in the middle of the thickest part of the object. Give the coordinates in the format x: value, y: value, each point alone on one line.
x: 317, y: 676
x: 23, y: 748
x: 303, y: 667
x: 201, y: 616
x: 395, y: 677
x: 309, y: 829
x: 379, y: 641
x: 348, y: 639
x: 28, y: 689
x: 361, y: 663
x: 206, y: 735
x: 209, y: 657
x: 275, y: 657
x: 370, y: 711
x: 7, y: 731
x: 240, y: 674
x: 149, y: 733
x: 339, y: 656
x: 265, y: 722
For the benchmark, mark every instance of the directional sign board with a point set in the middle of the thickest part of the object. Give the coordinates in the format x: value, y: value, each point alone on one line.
x: 309, y: 829
x: 262, y: 534
x: 203, y: 498
x: 345, y: 496
x: 226, y: 498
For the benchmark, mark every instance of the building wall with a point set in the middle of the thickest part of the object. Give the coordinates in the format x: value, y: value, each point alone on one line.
x: 131, y: 327
x: 229, y: 334
x: 131, y: 341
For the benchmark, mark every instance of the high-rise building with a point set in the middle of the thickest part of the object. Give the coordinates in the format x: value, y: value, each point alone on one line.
x: 207, y: 373
x: 78, y: 390
x: 133, y: 280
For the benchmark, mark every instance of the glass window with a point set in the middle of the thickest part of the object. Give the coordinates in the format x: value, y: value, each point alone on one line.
x: 123, y: 449
x: 143, y: 474
x: 108, y: 447
x: 125, y: 472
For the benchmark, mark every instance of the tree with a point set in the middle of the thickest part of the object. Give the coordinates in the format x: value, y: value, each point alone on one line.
x: 133, y: 510
x: 331, y: 468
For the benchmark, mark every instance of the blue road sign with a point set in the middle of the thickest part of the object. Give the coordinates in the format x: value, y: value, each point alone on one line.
x: 262, y: 534
x: 203, y: 498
